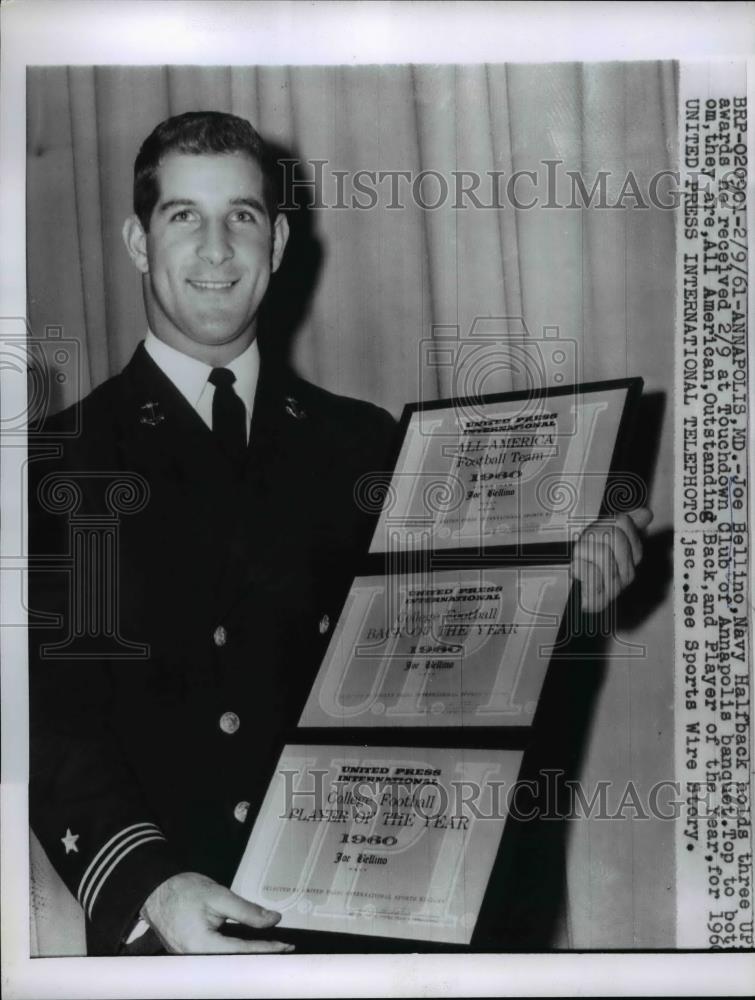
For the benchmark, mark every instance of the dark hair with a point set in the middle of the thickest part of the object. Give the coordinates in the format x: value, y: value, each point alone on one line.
x: 198, y: 132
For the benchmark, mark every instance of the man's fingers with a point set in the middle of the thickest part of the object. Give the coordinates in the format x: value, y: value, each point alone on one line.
x: 188, y: 910
x: 629, y: 527
x: 227, y: 904
x: 585, y: 571
x: 627, y: 540
x: 592, y: 578
x: 613, y: 548
x: 641, y: 516
x: 220, y: 944
x: 610, y: 550
x: 595, y: 549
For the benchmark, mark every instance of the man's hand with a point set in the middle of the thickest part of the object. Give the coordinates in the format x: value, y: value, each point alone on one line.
x: 186, y: 911
x: 606, y: 555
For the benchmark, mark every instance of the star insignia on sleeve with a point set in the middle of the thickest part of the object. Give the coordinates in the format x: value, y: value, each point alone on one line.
x: 69, y: 841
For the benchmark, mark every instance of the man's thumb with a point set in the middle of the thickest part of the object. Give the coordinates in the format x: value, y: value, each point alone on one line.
x: 642, y: 517
x: 233, y: 907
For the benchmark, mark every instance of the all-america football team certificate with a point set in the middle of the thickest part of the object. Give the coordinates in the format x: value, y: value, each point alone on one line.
x: 394, y: 841
x: 526, y: 468
x: 463, y: 647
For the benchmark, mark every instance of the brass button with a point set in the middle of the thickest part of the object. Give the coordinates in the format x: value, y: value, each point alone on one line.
x: 220, y: 636
x: 324, y: 624
x: 240, y: 811
x: 229, y: 722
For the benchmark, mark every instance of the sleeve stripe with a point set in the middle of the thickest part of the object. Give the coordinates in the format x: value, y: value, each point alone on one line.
x: 102, y: 857
x: 115, y: 855
x: 143, y: 839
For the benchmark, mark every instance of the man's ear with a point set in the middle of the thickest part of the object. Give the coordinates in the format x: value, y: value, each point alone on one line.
x: 280, y: 238
x: 136, y: 243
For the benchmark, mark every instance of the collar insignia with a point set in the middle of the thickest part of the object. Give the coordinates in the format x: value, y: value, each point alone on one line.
x: 151, y: 414
x: 295, y: 409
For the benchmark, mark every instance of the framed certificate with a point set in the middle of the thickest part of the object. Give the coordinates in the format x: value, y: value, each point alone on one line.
x: 458, y: 647
x: 509, y: 471
x: 389, y: 842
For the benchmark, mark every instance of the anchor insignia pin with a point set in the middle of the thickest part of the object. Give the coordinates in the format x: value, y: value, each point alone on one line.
x: 151, y: 415
x: 294, y: 408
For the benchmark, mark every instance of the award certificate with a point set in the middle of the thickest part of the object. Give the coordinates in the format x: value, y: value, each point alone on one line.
x: 467, y: 647
x: 389, y: 842
x: 523, y: 469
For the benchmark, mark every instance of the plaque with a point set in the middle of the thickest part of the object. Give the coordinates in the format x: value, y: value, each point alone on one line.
x: 512, y: 470
x: 393, y: 842
x: 465, y: 647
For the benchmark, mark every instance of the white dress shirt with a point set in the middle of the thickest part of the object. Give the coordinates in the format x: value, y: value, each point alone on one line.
x: 190, y: 376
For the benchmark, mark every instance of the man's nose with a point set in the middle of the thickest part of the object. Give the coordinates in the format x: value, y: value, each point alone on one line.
x: 214, y: 246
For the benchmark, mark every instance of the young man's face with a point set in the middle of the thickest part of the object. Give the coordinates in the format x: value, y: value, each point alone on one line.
x: 208, y: 255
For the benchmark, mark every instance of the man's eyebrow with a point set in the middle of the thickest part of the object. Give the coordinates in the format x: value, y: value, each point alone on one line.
x: 166, y: 206
x: 249, y: 200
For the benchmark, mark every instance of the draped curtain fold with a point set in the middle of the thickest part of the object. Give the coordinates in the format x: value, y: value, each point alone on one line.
x: 384, y: 281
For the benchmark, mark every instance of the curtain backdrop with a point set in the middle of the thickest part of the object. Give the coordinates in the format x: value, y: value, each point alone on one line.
x: 364, y: 290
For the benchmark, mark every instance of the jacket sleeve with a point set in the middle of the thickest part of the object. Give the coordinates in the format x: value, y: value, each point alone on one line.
x: 84, y: 805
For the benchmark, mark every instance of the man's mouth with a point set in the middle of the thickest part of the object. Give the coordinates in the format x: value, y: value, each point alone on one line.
x: 212, y: 286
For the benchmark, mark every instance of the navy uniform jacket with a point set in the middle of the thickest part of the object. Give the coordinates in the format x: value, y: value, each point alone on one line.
x: 156, y: 718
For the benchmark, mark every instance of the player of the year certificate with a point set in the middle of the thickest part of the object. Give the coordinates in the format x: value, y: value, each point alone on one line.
x: 464, y: 647
x: 394, y: 842
x: 522, y: 469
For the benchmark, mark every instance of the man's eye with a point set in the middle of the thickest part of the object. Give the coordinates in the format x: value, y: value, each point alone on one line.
x: 183, y: 215
x: 243, y: 215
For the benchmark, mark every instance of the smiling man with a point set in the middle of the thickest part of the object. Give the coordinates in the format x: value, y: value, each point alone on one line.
x: 207, y: 251
x: 147, y: 764
x: 163, y: 680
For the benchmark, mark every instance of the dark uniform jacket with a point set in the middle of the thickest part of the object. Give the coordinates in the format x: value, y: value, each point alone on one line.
x: 179, y: 609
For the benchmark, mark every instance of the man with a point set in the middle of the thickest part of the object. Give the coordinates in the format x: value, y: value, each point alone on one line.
x: 234, y: 555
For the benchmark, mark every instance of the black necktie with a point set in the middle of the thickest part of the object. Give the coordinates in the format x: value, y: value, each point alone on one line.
x: 228, y: 413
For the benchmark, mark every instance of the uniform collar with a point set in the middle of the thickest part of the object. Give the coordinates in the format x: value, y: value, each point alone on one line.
x: 190, y: 376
